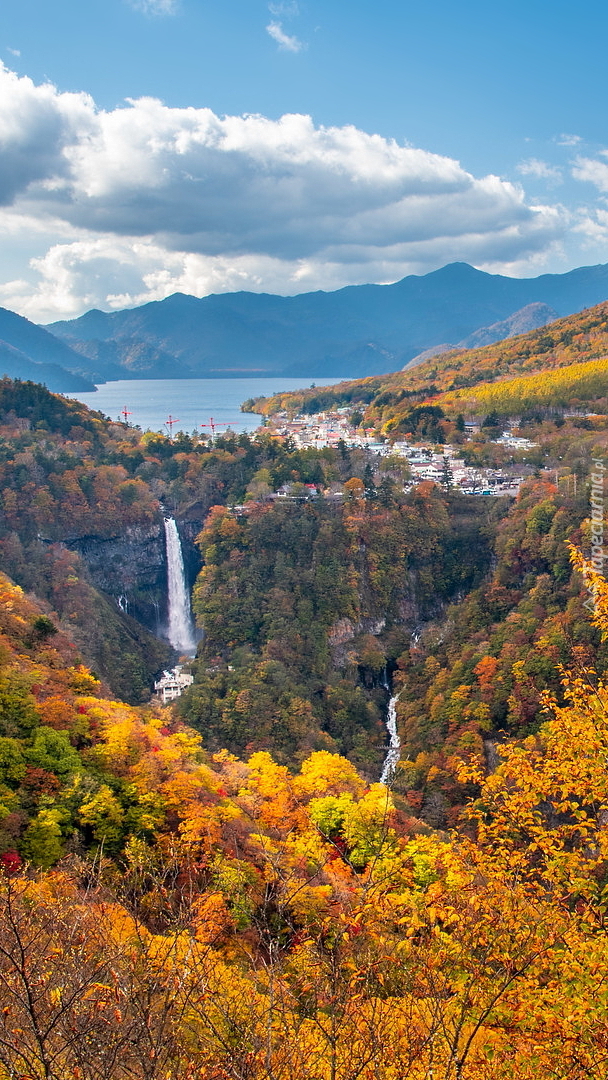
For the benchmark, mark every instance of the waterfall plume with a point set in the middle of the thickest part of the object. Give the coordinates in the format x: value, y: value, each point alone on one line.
x: 180, y: 630
x: 393, y: 753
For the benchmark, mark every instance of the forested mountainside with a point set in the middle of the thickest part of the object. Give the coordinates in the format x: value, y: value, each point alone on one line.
x: 472, y: 606
x: 388, y: 400
x: 213, y: 917
x: 221, y: 889
x: 304, y: 606
x: 28, y: 351
x: 356, y: 331
x: 64, y: 489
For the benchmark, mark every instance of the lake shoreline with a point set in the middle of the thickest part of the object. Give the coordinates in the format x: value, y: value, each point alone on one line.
x: 207, y: 405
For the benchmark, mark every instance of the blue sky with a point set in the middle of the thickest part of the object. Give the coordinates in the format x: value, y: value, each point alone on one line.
x: 150, y: 146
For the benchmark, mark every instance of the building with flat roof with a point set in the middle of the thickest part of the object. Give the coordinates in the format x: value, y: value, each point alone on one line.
x: 172, y: 684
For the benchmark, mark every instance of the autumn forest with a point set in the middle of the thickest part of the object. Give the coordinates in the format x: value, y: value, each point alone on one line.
x: 222, y: 888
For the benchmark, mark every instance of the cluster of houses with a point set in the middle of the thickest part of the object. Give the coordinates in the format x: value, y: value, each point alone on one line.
x: 331, y: 428
x: 449, y: 469
x: 323, y: 429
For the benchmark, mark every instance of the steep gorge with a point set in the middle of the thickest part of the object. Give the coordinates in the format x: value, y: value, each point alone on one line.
x: 304, y: 606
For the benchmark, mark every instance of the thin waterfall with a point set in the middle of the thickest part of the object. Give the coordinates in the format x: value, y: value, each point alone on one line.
x: 181, y: 630
x: 393, y: 753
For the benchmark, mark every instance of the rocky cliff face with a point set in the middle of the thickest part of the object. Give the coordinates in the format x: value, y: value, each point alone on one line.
x: 189, y: 528
x: 130, y: 567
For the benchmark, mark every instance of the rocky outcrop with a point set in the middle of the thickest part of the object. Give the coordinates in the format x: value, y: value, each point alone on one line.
x: 345, y: 631
x: 189, y: 528
x: 130, y: 567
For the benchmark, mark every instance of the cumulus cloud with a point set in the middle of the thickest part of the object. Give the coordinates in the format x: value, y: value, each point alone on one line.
x: 592, y: 170
x: 152, y: 199
x: 594, y: 225
x: 13, y: 52
x: 113, y: 272
x: 568, y: 140
x: 287, y: 42
x: 37, y: 125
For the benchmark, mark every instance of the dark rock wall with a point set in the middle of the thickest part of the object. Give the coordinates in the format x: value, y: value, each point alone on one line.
x: 131, y: 567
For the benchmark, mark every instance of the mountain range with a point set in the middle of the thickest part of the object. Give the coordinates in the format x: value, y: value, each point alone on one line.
x: 30, y: 352
x: 357, y: 331
x: 530, y: 317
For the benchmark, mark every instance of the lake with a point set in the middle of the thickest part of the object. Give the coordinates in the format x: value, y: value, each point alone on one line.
x: 192, y: 403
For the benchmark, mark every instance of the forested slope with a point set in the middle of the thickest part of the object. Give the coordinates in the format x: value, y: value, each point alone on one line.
x: 231, y: 899
x: 304, y: 605
x: 578, y: 339
x: 218, y: 918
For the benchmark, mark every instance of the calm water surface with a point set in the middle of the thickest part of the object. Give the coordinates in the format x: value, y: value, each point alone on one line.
x: 191, y: 402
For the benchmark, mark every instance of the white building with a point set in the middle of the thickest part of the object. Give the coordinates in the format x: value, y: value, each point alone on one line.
x: 172, y: 684
x: 514, y: 442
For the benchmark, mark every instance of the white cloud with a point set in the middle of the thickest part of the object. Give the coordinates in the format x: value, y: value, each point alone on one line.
x: 592, y: 170
x: 594, y: 225
x: 568, y: 140
x: 13, y: 52
x: 113, y: 272
x: 540, y: 170
x: 286, y: 10
x: 134, y: 203
x: 285, y: 41
x: 155, y: 7
x: 37, y: 125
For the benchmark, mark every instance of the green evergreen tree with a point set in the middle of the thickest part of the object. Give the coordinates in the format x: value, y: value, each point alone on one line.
x: 447, y: 476
x: 371, y: 491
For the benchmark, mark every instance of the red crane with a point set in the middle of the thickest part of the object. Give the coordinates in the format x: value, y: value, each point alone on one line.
x: 213, y: 424
x: 169, y: 422
x: 125, y: 412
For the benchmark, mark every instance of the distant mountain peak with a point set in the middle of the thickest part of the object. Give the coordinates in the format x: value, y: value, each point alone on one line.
x: 530, y: 317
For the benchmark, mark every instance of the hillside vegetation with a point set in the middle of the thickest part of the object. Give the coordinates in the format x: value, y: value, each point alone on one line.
x: 221, y: 889
x: 567, y: 388
x: 578, y: 339
x: 219, y: 918
x: 304, y: 606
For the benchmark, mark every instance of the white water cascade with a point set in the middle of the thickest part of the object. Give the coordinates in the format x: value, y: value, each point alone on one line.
x: 393, y: 754
x: 181, y: 631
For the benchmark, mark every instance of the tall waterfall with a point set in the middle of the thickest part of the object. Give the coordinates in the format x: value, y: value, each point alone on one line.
x: 393, y: 753
x: 181, y: 631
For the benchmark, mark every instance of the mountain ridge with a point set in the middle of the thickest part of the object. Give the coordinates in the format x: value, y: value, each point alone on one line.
x: 567, y: 342
x: 530, y: 317
x: 28, y: 351
x: 354, y: 331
